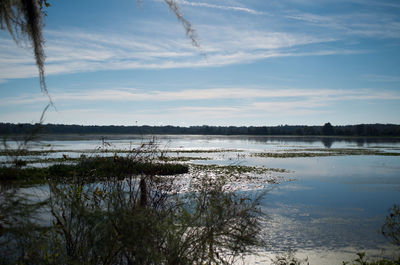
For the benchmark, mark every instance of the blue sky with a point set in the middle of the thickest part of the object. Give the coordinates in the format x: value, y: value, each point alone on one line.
x: 260, y: 63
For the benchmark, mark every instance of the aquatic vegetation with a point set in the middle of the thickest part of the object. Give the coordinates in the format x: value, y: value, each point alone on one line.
x: 238, y: 169
x: 120, y: 167
x: 181, y: 158
x: 202, y: 151
x: 316, y: 152
x: 289, y: 155
x: 239, y: 177
x: 52, y: 160
x: 89, y: 169
x: 46, y: 160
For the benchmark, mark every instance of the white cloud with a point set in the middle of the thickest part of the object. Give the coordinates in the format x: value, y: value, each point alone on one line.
x: 223, y: 7
x: 261, y: 97
x: 183, y: 95
x: 356, y: 24
x: 79, y: 51
x: 245, y: 38
x: 199, y: 106
x: 72, y: 51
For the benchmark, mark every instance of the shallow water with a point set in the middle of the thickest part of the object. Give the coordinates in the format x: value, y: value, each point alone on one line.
x: 334, y: 207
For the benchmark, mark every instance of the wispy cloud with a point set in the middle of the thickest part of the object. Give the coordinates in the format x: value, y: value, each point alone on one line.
x: 239, y: 115
x: 223, y: 7
x: 355, y: 24
x: 391, y: 4
x: 382, y: 78
x: 72, y: 51
x: 79, y: 51
x: 199, y: 106
x: 258, y: 95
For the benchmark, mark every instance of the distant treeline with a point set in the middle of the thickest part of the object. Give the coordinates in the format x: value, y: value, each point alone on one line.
x: 326, y: 129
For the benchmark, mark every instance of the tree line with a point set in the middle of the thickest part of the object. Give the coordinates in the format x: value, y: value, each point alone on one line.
x: 326, y: 129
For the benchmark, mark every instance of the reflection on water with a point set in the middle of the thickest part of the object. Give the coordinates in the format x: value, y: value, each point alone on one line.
x: 335, y: 204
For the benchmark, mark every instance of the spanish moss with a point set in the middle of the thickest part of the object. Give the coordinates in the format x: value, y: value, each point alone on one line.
x: 24, y: 21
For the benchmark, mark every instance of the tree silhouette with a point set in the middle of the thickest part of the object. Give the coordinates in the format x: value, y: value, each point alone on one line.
x: 327, y: 129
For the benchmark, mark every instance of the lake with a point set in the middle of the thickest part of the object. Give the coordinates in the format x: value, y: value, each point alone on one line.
x: 329, y: 203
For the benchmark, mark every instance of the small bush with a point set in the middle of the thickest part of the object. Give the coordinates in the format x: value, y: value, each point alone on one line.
x: 391, y: 227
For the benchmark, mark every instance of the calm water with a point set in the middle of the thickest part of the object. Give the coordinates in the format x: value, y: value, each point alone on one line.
x: 334, y: 207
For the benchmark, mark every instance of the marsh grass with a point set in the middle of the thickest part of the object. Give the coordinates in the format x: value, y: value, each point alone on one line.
x: 88, y: 169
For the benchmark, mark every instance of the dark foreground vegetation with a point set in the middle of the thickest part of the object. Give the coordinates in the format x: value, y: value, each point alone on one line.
x: 390, y: 130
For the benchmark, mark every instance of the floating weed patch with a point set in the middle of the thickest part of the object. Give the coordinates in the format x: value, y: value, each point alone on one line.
x: 327, y: 150
x: 319, y: 152
x: 202, y: 151
x: 238, y: 169
x: 238, y: 177
x: 181, y: 158
x: 279, y: 170
x: 290, y: 155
